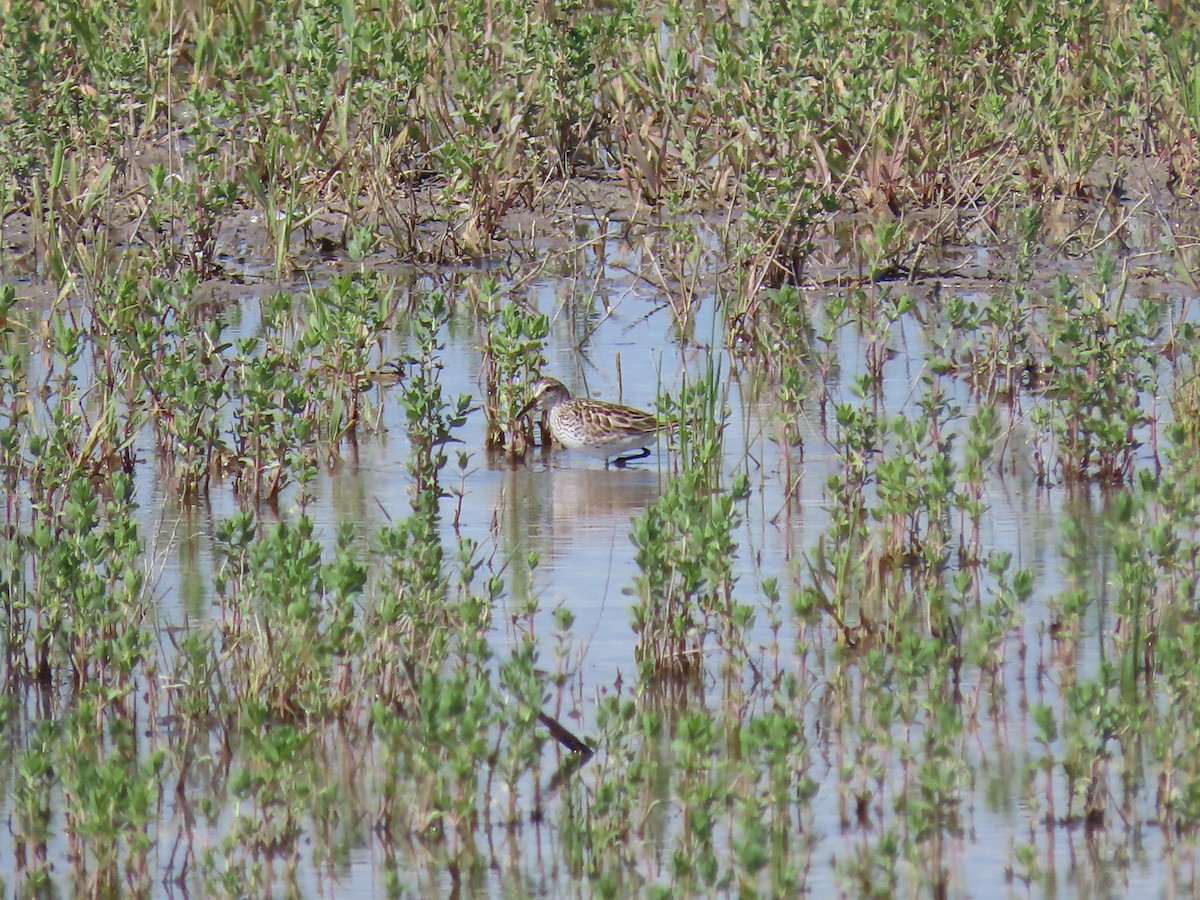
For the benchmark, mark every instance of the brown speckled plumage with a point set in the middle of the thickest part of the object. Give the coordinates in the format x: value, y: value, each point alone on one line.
x: 594, y: 427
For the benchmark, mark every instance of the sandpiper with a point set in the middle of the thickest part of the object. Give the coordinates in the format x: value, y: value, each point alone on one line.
x: 594, y: 427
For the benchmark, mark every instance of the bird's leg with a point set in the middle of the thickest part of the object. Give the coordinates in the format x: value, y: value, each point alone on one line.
x: 620, y: 461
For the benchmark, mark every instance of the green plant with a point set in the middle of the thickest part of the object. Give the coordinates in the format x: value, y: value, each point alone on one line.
x: 513, y: 358
x: 1102, y: 366
x: 431, y: 420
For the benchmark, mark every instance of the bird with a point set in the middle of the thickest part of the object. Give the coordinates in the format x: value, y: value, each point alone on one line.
x: 594, y: 427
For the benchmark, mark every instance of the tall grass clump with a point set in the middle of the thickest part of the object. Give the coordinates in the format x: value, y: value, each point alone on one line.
x: 1102, y: 364
x: 513, y: 358
x: 684, y: 543
x: 79, y: 628
x: 439, y: 127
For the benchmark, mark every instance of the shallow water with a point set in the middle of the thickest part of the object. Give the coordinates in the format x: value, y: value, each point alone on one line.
x: 575, y: 516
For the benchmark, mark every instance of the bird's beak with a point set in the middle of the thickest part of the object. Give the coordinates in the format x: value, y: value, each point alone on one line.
x: 525, y: 410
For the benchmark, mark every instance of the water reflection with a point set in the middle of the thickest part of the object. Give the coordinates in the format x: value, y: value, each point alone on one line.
x: 560, y: 523
x: 575, y: 520
x: 555, y: 507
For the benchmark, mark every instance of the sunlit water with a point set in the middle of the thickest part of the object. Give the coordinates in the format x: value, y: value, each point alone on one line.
x: 575, y: 516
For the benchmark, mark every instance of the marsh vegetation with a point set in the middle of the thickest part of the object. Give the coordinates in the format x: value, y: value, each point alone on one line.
x: 293, y: 603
